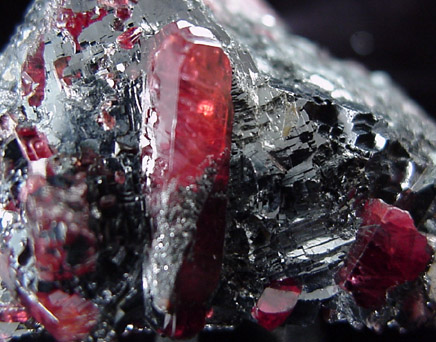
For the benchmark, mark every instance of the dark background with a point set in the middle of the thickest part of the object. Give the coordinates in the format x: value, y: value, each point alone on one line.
x: 397, y: 36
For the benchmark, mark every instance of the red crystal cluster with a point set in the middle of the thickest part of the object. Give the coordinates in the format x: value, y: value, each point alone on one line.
x: 276, y: 303
x: 185, y: 146
x: 75, y: 22
x: 388, y: 251
x: 63, y: 245
x: 68, y: 317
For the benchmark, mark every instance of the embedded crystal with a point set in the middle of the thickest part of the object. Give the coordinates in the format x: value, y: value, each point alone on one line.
x: 388, y: 251
x: 185, y: 148
x: 68, y: 318
x: 276, y: 303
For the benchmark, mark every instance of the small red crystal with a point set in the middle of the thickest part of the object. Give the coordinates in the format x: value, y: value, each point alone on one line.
x: 75, y: 22
x: 388, y: 251
x: 68, y: 317
x: 186, y: 143
x: 129, y: 38
x: 33, y: 143
x: 33, y: 76
x: 60, y: 64
x: 276, y: 303
x: 106, y: 120
x: 13, y: 313
x: 64, y: 246
x: 123, y: 13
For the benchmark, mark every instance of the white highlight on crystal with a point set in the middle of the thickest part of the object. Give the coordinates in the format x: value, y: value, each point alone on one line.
x: 380, y: 142
x: 321, y: 82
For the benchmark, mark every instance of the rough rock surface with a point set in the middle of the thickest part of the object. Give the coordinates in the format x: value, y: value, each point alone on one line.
x: 313, y: 140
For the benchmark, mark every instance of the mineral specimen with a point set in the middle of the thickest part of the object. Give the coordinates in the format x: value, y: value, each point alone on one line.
x: 122, y: 176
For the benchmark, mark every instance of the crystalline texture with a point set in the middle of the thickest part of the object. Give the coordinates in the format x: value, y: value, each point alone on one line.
x: 113, y: 196
x: 67, y: 317
x: 185, y: 148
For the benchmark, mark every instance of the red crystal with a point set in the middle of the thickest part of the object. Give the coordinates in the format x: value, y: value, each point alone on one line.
x: 33, y: 76
x: 123, y: 13
x: 60, y: 65
x: 388, y: 251
x: 106, y: 120
x: 276, y: 303
x: 64, y: 246
x: 33, y: 143
x: 13, y: 313
x: 68, y: 317
x: 129, y: 38
x: 75, y: 22
x: 186, y: 139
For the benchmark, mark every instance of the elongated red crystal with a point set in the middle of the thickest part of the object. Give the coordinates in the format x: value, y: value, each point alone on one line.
x: 185, y: 149
x: 276, y: 303
x: 33, y: 76
x: 388, y: 251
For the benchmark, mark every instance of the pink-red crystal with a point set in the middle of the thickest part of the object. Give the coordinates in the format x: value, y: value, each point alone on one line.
x: 186, y: 139
x: 276, y: 303
x: 64, y: 246
x: 75, y: 22
x: 68, y: 317
x: 33, y: 76
x: 129, y: 38
x: 13, y: 313
x: 60, y: 65
x: 388, y: 251
x: 123, y: 13
x: 33, y: 143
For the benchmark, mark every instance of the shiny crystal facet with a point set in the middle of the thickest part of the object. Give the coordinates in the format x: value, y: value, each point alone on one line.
x: 276, y: 303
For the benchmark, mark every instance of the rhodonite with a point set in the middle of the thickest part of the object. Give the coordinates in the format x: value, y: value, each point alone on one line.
x: 276, y: 303
x: 185, y: 147
x: 119, y: 183
x: 388, y: 251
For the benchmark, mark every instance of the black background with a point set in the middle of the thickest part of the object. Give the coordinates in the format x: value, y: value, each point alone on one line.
x: 397, y: 36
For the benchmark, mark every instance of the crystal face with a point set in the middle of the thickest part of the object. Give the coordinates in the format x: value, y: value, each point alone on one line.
x: 388, y: 251
x: 122, y: 176
x: 185, y: 154
x: 66, y: 317
x: 276, y: 303
x: 33, y: 76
